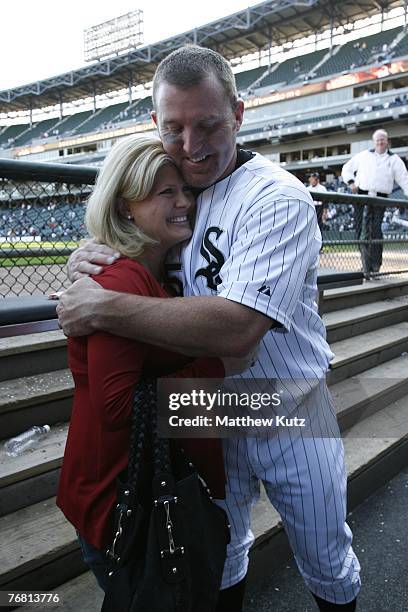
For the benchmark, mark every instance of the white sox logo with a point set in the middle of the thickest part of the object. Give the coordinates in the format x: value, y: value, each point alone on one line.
x: 214, y: 257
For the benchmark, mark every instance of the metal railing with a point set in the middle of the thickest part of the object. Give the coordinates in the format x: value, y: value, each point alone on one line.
x: 42, y: 221
x: 362, y: 232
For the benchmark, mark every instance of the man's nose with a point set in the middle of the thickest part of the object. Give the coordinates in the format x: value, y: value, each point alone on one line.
x: 192, y: 142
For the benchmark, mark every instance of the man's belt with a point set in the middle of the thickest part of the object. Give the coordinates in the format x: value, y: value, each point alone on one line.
x: 379, y: 194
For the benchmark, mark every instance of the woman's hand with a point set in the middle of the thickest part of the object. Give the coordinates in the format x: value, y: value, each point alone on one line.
x: 89, y: 258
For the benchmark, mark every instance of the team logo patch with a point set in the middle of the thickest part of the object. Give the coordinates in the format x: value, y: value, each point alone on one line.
x: 214, y: 257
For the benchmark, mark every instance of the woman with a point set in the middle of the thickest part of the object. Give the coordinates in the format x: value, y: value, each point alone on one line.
x: 141, y: 207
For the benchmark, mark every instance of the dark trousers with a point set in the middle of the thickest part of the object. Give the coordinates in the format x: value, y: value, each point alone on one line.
x: 96, y: 561
x: 367, y: 222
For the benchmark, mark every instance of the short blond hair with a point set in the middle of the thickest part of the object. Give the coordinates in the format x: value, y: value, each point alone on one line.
x: 128, y: 173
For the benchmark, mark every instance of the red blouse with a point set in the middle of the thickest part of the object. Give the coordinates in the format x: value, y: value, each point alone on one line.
x: 106, y: 369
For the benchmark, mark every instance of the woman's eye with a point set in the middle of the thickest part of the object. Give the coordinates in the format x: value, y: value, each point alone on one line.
x: 167, y: 191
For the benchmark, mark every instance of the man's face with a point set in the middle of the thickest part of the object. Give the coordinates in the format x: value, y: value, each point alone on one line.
x: 313, y: 181
x: 198, y: 129
x: 380, y: 143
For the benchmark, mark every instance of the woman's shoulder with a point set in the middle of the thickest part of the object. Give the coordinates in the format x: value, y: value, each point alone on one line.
x: 129, y: 276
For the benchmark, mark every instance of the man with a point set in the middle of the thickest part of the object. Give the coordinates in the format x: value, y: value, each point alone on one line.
x: 249, y: 276
x: 373, y: 172
x: 321, y: 207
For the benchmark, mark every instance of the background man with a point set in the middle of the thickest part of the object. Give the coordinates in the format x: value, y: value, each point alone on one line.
x: 249, y: 276
x: 321, y: 207
x: 373, y: 172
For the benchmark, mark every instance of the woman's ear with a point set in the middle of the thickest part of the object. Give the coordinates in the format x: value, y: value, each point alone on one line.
x: 123, y: 208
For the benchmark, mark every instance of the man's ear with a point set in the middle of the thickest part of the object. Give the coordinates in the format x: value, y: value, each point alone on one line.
x: 239, y: 114
x: 153, y: 115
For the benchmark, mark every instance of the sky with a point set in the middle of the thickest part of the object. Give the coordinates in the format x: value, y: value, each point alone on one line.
x: 44, y: 38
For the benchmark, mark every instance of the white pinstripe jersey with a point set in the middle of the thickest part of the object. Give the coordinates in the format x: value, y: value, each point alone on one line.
x: 256, y: 241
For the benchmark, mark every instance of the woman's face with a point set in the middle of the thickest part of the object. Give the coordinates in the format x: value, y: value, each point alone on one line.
x: 166, y: 213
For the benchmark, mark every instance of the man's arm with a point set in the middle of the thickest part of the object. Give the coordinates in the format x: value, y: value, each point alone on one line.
x: 210, y: 326
x: 401, y: 174
x: 348, y: 172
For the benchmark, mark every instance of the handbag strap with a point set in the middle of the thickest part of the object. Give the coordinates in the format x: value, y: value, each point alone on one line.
x: 144, y: 436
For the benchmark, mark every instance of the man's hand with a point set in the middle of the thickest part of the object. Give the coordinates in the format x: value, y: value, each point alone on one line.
x: 74, y: 309
x: 354, y: 188
x: 84, y: 261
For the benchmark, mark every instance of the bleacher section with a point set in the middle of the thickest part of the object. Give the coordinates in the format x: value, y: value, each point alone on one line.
x: 293, y: 68
x: 39, y: 129
x: 245, y: 79
x: 141, y: 107
x: 402, y: 47
x: 68, y: 124
x: 11, y: 133
x: 357, y: 53
x: 101, y: 117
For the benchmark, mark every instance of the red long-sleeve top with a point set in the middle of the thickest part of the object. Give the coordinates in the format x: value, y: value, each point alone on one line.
x: 106, y: 369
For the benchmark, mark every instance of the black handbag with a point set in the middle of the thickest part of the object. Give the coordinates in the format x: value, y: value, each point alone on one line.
x: 170, y: 539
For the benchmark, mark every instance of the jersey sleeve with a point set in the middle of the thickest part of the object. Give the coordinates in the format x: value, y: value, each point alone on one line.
x: 275, y: 245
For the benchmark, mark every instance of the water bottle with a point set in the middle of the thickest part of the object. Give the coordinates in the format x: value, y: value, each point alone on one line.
x: 26, y: 441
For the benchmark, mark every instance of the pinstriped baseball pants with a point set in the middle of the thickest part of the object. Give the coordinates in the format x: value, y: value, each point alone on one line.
x: 305, y: 480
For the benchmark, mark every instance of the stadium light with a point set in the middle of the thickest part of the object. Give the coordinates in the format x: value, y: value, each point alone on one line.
x: 114, y: 37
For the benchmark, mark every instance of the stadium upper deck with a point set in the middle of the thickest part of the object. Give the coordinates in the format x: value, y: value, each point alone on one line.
x: 330, y: 77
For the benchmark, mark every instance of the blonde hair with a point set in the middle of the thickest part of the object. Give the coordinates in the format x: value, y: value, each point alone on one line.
x: 128, y: 173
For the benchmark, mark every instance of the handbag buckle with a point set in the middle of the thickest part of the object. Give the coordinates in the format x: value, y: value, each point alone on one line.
x: 177, y: 552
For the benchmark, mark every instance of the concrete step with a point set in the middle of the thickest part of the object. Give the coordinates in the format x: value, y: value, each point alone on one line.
x: 39, y: 548
x: 354, y: 399
x: 368, y: 292
x: 32, y: 354
x: 342, y: 324
x: 376, y: 449
x: 35, y: 400
x: 81, y: 593
x: 33, y: 476
x: 365, y: 351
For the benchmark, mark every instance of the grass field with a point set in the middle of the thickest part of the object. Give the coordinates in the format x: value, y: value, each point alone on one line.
x: 45, y: 259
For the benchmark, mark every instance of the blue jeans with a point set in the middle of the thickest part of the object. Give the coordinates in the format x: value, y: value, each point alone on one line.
x: 96, y: 561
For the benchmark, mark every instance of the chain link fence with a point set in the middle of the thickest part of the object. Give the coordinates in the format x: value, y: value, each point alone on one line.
x: 42, y: 210
x: 363, y: 233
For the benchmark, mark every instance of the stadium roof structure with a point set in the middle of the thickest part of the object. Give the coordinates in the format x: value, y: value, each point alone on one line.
x: 248, y: 31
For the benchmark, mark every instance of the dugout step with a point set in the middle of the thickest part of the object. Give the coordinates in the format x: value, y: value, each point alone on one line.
x: 358, y: 397
x: 342, y: 324
x: 35, y: 474
x: 32, y: 354
x: 81, y: 593
x: 371, y: 291
x: 35, y: 400
x: 42, y: 548
x: 365, y: 351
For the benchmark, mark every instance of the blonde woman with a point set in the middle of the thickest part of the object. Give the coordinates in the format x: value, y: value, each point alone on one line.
x: 140, y: 207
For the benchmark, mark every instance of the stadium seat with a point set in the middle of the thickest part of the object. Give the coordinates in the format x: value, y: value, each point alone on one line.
x: 245, y: 79
x: 357, y: 53
x: 68, y: 124
x: 41, y: 128
x: 101, y: 118
x: 11, y: 133
x: 293, y: 69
